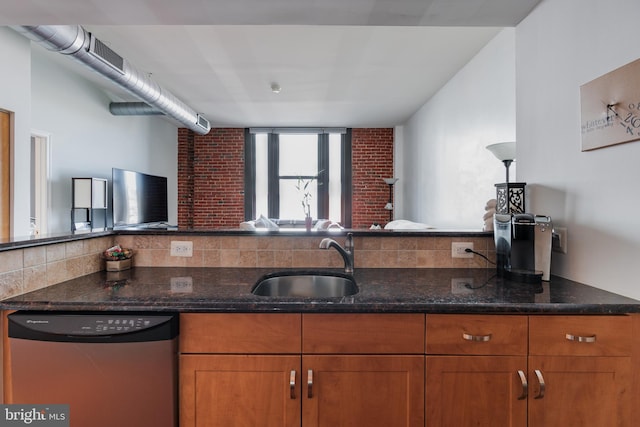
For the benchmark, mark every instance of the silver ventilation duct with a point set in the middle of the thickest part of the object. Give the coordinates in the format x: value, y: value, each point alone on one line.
x: 133, y: 109
x: 75, y: 41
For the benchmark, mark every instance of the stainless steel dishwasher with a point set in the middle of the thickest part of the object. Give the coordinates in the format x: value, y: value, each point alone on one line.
x: 112, y: 369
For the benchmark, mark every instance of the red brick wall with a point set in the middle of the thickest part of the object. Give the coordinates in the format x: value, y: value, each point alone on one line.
x: 211, y: 177
x: 372, y: 151
x: 186, y: 146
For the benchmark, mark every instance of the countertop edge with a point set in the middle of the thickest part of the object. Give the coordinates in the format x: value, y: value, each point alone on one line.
x: 337, y: 308
x: 228, y: 290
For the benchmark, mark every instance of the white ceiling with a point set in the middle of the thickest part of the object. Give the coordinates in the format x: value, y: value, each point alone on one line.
x: 360, y: 63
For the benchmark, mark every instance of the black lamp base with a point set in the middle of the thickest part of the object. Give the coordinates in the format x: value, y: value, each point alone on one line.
x: 516, y: 198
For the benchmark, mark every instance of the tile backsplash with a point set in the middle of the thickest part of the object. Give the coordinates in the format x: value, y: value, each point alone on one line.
x: 25, y: 270
x: 304, y: 251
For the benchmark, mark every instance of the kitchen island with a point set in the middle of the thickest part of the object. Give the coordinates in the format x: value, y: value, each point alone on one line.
x: 425, y: 330
x: 417, y: 336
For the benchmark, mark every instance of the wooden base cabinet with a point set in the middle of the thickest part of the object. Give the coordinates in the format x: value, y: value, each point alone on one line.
x: 580, y: 391
x: 479, y: 391
x: 475, y: 365
x: 580, y: 369
x: 321, y: 371
x: 576, y: 372
x: 328, y: 370
x: 329, y: 391
x: 223, y: 391
x: 363, y: 391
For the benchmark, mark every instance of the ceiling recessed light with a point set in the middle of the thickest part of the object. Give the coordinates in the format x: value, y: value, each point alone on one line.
x: 275, y: 88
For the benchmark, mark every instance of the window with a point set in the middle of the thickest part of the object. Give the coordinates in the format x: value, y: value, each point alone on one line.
x: 278, y: 160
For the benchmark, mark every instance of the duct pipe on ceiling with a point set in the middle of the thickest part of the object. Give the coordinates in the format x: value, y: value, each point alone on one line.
x: 75, y: 41
x: 133, y: 109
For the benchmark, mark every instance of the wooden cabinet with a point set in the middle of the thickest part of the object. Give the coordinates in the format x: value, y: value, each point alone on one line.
x: 475, y: 364
x: 363, y: 370
x: 234, y: 390
x: 580, y: 369
x: 325, y: 370
x: 240, y: 370
x: 576, y: 370
x: 363, y: 390
x: 301, y: 370
x: 478, y: 391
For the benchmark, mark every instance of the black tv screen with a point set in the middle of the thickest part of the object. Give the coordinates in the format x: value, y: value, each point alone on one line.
x: 138, y: 198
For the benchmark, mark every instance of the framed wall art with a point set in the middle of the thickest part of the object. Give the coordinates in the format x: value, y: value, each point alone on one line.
x: 610, y: 108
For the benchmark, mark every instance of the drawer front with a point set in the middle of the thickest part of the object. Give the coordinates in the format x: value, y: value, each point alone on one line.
x: 240, y: 333
x: 580, y: 335
x: 363, y: 333
x: 476, y: 334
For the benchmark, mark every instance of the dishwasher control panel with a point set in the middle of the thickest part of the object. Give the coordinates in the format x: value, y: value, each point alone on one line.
x: 82, y: 324
x: 114, y: 325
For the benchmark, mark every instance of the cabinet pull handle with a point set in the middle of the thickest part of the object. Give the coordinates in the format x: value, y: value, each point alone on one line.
x: 525, y: 385
x: 578, y: 338
x: 540, y: 394
x: 476, y: 338
x: 310, y: 383
x: 292, y: 384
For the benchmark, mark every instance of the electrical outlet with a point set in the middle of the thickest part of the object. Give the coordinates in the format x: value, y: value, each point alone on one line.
x: 182, y: 248
x: 462, y: 285
x: 559, y: 240
x: 458, y: 249
x: 181, y: 285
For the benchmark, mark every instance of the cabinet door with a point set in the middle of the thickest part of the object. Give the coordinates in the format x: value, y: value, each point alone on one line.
x: 479, y: 391
x: 580, y: 391
x: 238, y: 391
x: 363, y: 391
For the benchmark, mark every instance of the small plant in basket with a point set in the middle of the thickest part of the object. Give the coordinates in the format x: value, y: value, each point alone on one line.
x: 117, y: 253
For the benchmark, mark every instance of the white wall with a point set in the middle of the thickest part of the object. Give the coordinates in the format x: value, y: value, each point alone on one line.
x: 86, y: 140
x: 446, y: 174
x: 15, y: 97
x: 560, y: 46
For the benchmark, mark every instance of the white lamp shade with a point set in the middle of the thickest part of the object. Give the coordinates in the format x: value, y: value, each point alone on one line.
x: 390, y: 181
x: 503, y: 150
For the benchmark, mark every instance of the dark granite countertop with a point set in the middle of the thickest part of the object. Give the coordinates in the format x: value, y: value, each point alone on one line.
x: 381, y: 290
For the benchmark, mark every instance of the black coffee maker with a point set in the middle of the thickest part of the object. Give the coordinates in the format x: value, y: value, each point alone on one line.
x: 515, y: 239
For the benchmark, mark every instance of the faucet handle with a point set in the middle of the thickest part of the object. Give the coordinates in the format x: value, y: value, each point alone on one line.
x: 348, y: 243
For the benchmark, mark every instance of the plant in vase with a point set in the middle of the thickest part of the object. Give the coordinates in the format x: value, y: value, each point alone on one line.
x: 303, y: 188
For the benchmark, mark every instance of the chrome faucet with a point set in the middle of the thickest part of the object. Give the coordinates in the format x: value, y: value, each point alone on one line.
x: 346, y: 252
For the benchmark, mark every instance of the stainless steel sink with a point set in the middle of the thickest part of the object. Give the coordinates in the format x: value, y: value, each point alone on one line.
x: 305, y: 285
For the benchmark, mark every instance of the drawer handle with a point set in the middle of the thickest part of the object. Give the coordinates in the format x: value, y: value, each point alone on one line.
x: 525, y: 385
x: 292, y: 384
x: 310, y: 384
x: 540, y: 394
x: 578, y: 338
x: 476, y: 338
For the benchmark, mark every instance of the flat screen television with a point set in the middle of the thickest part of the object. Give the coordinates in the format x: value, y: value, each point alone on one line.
x: 139, y: 199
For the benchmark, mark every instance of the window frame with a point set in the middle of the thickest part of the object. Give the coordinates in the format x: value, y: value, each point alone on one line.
x: 322, y: 199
